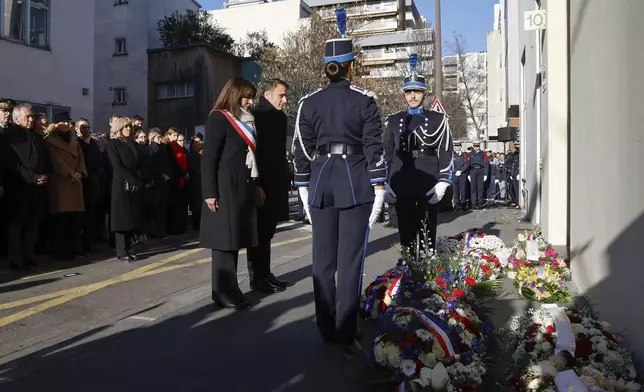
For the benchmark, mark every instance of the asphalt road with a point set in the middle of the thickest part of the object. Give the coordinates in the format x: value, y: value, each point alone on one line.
x: 150, y: 325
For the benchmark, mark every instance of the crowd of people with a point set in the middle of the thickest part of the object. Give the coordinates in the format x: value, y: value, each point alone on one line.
x: 64, y: 189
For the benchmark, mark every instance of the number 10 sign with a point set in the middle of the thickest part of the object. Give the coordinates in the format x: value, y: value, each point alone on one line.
x: 535, y: 20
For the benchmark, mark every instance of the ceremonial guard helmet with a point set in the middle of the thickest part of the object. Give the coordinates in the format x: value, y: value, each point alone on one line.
x: 414, y: 81
x: 339, y: 50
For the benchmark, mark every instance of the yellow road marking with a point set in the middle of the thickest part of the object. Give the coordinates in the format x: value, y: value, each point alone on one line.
x: 57, y: 294
x: 64, y: 296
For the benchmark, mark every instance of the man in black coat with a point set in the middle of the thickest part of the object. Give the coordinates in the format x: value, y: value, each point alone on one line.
x: 271, y: 124
x: 26, y: 190
x: 92, y: 184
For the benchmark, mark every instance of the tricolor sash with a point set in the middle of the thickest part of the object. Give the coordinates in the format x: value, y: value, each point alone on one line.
x: 437, y: 328
x: 243, y: 129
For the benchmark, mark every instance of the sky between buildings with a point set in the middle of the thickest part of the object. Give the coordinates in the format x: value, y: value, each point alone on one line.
x: 472, y: 18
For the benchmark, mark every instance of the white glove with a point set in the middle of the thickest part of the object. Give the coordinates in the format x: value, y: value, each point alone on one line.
x: 484, y: 178
x: 437, y: 192
x: 496, y: 181
x: 304, y: 196
x: 469, y: 178
x: 378, y: 202
x: 518, y: 177
x: 458, y: 173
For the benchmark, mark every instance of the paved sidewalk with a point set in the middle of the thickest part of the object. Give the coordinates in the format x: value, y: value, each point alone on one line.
x: 273, y: 347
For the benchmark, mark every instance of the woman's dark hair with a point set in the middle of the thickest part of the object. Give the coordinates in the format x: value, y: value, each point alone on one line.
x: 231, y: 95
x: 336, y: 71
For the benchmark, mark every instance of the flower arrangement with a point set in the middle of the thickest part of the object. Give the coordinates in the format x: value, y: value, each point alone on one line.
x: 539, y: 273
x: 468, y: 240
x: 437, y: 344
x: 429, y: 333
x: 597, y: 358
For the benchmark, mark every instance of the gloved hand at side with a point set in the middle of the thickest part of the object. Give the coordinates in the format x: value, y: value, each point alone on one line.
x: 304, y: 196
x: 437, y: 192
x: 378, y: 202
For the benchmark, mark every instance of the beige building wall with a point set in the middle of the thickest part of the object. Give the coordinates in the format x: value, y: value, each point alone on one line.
x: 607, y: 159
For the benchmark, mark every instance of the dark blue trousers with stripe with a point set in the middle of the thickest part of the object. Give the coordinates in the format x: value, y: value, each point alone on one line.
x: 340, y: 239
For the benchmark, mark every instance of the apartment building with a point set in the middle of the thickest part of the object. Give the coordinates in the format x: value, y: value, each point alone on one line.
x: 388, y: 31
x: 124, y: 31
x: 467, y: 75
x: 42, y: 49
x: 258, y: 15
x: 581, y: 140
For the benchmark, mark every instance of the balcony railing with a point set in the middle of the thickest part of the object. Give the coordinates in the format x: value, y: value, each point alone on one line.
x: 362, y: 11
x: 396, y: 54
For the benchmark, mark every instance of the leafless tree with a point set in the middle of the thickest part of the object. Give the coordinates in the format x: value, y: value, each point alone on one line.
x: 472, y: 84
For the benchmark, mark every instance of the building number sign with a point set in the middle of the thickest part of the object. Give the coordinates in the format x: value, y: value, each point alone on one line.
x: 535, y: 20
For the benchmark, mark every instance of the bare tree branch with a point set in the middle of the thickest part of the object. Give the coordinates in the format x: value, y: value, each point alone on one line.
x: 472, y: 85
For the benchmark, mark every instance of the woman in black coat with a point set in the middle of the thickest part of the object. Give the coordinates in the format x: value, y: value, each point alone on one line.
x: 127, y: 187
x: 229, y: 171
x: 160, y: 156
x: 193, y: 187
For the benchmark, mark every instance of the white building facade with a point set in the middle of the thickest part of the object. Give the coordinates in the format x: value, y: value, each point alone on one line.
x: 42, y: 50
x: 467, y: 75
x: 276, y: 18
x: 125, y: 30
x: 388, y: 31
x: 581, y: 138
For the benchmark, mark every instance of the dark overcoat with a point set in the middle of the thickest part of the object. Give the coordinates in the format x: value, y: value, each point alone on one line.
x: 93, y: 182
x: 224, y: 176
x: 126, y: 207
x: 26, y: 158
x: 274, y: 175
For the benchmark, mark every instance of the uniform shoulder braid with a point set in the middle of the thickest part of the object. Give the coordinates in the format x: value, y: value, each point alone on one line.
x: 363, y: 91
x: 308, y: 95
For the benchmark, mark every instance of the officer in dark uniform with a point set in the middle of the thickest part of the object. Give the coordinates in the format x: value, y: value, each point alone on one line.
x: 418, y: 148
x: 513, y: 174
x: 339, y: 167
x: 460, y: 177
x: 478, y: 167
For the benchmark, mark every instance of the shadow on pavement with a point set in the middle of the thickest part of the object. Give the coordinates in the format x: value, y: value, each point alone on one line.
x: 263, y: 349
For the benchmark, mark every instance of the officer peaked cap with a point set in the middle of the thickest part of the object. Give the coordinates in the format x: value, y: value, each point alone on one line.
x: 7, y: 104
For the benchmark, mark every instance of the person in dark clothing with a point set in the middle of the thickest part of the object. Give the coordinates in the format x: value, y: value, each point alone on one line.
x: 25, y: 186
x: 105, y: 209
x: 193, y: 187
x: 127, y: 186
x: 271, y: 124
x: 229, y: 171
x: 6, y: 106
x: 160, y: 156
x: 177, y: 206
x: 92, y: 184
x: 146, y: 171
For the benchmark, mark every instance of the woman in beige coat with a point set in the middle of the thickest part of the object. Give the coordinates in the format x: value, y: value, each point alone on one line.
x: 65, y: 189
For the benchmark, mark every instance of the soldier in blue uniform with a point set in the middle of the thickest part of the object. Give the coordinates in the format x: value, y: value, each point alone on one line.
x: 478, y: 167
x: 340, y: 173
x: 459, y: 183
x: 418, y: 149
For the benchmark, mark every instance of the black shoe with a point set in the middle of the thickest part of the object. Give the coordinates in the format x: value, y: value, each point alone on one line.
x: 127, y: 259
x: 265, y: 286
x: 18, y: 267
x: 30, y: 263
x: 132, y: 256
x: 239, y: 303
x: 272, y: 279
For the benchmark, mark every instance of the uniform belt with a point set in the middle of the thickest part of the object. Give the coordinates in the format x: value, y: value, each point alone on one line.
x: 477, y: 166
x: 425, y: 152
x: 340, y: 149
